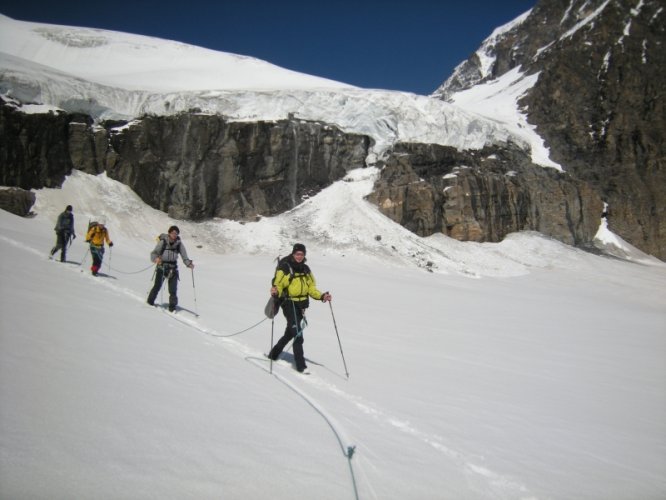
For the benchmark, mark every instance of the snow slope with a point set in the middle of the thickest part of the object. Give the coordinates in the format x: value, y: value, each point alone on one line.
x: 498, y: 99
x: 136, y: 62
x: 525, y: 369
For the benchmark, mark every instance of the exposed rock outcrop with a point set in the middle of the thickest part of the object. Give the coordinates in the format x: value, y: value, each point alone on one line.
x: 200, y: 166
x: 33, y: 149
x: 192, y: 166
x: 484, y: 195
x: 16, y: 200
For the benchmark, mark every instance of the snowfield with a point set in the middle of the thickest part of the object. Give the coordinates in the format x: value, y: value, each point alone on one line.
x: 520, y: 370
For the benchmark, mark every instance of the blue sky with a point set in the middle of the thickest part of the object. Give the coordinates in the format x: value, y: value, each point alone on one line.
x: 408, y: 45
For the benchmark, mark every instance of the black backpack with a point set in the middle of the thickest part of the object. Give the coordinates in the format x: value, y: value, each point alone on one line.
x: 283, y: 263
x: 274, y: 303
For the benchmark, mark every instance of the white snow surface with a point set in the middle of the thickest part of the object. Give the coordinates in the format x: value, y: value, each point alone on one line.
x: 520, y: 370
x: 112, y: 75
x: 498, y: 99
x: 136, y: 62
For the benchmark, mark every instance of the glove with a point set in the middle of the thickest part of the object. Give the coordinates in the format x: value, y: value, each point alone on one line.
x: 73, y: 236
x: 111, y: 244
x: 326, y: 297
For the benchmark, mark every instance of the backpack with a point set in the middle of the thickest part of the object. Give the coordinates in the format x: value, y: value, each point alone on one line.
x: 94, y: 225
x: 274, y: 303
x: 285, y: 265
x: 164, y: 237
x: 283, y: 262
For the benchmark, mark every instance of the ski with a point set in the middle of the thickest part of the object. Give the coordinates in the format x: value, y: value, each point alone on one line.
x: 285, y: 364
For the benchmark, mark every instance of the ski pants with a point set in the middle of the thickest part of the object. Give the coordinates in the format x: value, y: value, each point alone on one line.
x: 62, y: 238
x: 170, y: 273
x: 97, y: 254
x: 294, y: 315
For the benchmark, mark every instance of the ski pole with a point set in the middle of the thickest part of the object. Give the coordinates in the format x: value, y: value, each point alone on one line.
x: 110, y: 255
x: 271, y: 346
x: 164, y: 278
x: 84, y: 256
x: 196, y: 307
x: 339, y: 343
x: 297, y: 326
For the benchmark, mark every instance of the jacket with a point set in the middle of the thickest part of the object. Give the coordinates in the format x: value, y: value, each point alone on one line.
x: 65, y: 222
x: 169, y: 251
x: 97, y: 234
x: 296, y: 282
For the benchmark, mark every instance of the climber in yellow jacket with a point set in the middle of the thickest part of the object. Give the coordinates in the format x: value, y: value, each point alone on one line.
x: 96, y: 236
x: 293, y: 285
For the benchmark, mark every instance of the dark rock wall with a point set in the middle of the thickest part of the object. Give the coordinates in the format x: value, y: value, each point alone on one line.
x: 190, y: 166
x: 16, y: 200
x: 484, y: 195
x: 197, y: 166
x: 33, y: 149
x: 599, y: 103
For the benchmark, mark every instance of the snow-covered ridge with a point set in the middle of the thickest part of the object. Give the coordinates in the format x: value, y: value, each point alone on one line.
x: 141, y: 63
x: 486, y: 58
x: 486, y: 51
x: 111, y: 75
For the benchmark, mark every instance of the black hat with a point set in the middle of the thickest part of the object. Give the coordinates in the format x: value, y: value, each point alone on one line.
x: 174, y: 228
x: 68, y: 208
x: 298, y: 247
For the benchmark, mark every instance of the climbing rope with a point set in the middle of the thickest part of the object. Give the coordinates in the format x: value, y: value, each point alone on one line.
x: 237, y: 333
x: 348, y: 452
x: 131, y: 272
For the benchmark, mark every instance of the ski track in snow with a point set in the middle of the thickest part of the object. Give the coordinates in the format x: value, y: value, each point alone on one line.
x: 499, y: 486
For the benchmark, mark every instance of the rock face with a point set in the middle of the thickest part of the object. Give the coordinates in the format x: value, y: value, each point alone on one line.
x: 598, y: 101
x: 484, y: 195
x: 196, y: 166
x: 190, y: 165
x: 33, y: 150
x: 16, y: 200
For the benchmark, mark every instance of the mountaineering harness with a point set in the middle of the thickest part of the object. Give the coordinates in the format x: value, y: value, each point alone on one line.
x: 168, y: 268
